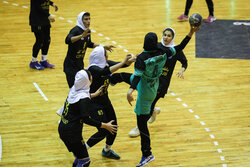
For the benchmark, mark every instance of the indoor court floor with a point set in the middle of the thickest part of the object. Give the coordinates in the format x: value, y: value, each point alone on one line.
x: 204, y: 119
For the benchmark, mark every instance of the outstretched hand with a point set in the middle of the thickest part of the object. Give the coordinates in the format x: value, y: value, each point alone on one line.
x: 86, y: 33
x: 180, y: 73
x: 55, y: 6
x: 51, y: 18
x: 109, y: 47
x: 193, y: 29
x: 98, y: 92
x: 131, y: 60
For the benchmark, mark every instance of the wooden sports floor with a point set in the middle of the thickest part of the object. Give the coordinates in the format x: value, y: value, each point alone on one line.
x: 205, y: 117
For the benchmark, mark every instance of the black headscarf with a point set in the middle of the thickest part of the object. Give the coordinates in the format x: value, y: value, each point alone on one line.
x: 150, y: 41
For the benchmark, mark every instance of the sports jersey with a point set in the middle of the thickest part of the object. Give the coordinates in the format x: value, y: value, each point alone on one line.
x: 73, y: 117
x: 168, y: 69
x: 39, y: 12
x: 76, y: 51
x: 148, y: 68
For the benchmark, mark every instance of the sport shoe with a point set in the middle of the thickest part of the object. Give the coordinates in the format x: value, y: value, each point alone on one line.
x: 156, y: 111
x: 210, y: 19
x: 83, y: 162
x: 134, y: 132
x: 145, y: 160
x: 75, y: 162
x: 46, y: 64
x: 183, y: 18
x: 110, y: 154
x: 36, y: 65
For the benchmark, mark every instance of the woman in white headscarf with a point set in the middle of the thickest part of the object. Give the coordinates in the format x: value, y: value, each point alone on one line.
x: 75, y: 113
x: 78, y: 40
x: 167, y: 41
x: 101, y: 107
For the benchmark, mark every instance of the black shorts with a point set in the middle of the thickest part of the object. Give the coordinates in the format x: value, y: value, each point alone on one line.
x: 40, y: 28
x: 103, y: 113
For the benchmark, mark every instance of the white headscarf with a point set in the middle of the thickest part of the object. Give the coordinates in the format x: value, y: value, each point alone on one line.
x: 79, y: 22
x: 80, y: 89
x: 171, y: 44
x: 97, y: 57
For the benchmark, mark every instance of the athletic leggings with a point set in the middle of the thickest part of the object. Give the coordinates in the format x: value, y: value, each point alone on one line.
x: 210, y: 6
x: 42, y: 34
x: 103, y: 114
x: 142, y: 123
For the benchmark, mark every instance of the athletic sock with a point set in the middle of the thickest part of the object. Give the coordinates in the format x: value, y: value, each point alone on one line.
x: 44, y: 57
x: 87, y: 146
x: 107, y: 148
x: 34, y: 59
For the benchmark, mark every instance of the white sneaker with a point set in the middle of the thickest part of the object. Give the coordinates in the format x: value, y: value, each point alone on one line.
x: 134, y: 132
x: 60, y: 111
x: 156, y: 111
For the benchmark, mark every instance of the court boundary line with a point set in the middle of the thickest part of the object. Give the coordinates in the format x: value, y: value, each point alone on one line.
x: 0, y: 148
x: 40, y: 91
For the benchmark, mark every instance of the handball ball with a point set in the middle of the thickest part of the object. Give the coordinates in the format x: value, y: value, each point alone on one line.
x: 195, y: 20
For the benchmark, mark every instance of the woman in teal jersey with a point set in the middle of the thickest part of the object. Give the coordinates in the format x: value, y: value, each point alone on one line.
x: 148, y: 68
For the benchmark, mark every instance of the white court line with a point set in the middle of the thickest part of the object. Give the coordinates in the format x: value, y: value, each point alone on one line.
x: 5, y: 2
x: 120, y: 46
x: 173, y: 94
x: 224, y: 165
x: 196, y: 116
x: 222, y: 158
x: 125, y: 50
x: 62, y: 18
x: 41, y: 92
x: 216, y: 143
x: 207, y: 129
x: 184, y: 104
x: 107, y: 38
x: 212, y: 136
x: 0, y: 148
x: 202, y: 123
x: 100, y: 34
x: 219, y: 150
x: 178, y: 99
x: 190, y: 110
x: 25, y: 7
x: 114, y: 42
x: 70, y: 21
x: 15, y: 4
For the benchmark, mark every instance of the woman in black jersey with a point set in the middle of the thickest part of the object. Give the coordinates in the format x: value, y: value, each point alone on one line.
x: 78, y: 40
x: 39, y: 20
x: 164, y: 80
x: 75, y: 113
x: 101, y: 107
